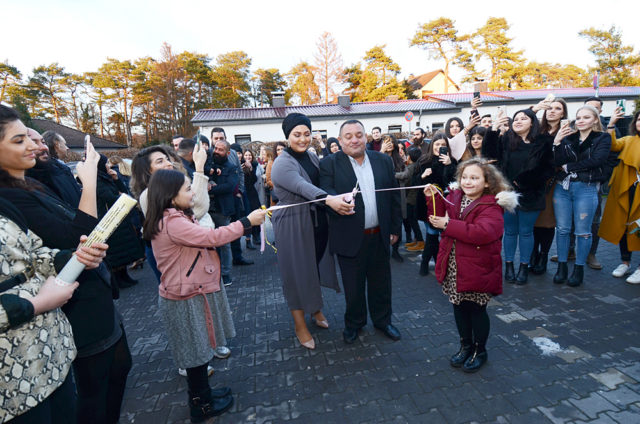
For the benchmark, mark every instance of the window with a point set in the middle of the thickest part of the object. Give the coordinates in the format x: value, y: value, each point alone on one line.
x: 437, y: 126
x: 394, y: 129
x: 243, y: 139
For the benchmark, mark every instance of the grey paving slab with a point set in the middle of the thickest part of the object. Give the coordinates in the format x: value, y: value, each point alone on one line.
x: 592, y: 379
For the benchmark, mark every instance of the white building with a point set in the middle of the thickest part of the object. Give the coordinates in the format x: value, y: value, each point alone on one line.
x: 265, y: 124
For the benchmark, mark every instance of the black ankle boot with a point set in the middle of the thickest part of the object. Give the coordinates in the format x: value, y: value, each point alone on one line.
x: 523, y: 275
x: 395, y: 254
x: 475, y: 361
x: 458, y: 359
x: 206, y: 406
x: 122, y: 279
x: 509, y: 273
x: 541, y: 264
x: 561, y: 273
x: 533, y: 259
x: 126, y: 277
x: 424, y: 267
x: 576, y: 276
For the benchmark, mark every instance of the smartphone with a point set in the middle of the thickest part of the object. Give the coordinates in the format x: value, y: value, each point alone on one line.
x: 476, y: 94
x: 87, y: 138
x: 620, y: 104
x: 550, y: 97
x: 443, y: 150
x: 474, y: 112
x: 563, y: 122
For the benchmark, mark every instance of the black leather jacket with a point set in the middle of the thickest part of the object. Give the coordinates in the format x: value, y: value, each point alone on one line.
x: 589, y: 160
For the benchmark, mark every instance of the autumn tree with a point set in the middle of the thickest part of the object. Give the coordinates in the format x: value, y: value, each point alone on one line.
x: 99, y: 97
x: 231, y: 76
x: 266, y: 82
x: 440, y: 39
x: 48, y: 83
x: 119, y: 79
x: 353, y: 79
x: 74, y: 87
x: 614, y: 60
x: 9, y: 76
x: 492, y: 44
x: 329, y: 72
x: 303, y: 88
x: 377, y: 80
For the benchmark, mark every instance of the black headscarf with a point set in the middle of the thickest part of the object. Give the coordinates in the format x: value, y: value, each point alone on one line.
x: 293, y: 120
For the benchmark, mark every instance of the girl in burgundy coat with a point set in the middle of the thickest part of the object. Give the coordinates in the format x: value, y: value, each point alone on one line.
x: 469, y: 264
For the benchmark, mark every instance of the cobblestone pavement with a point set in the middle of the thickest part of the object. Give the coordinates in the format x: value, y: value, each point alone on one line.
x: 556, y: 355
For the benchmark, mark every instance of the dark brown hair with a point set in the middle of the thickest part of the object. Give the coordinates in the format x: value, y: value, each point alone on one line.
x: 141, y: 167
x: 544, y: 124
x: 7, y: 116
x: 164, y: 186
x: 633, y: 129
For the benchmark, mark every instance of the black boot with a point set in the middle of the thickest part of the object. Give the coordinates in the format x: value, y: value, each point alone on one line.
x: 466, y: 349
x: 249, y: 244
x: 523, y: 275
x: 122, y: 278
x: 126, y: 277
x: 206, y: 406
x: 561, y: 273
x: 394, y: 253
x: 509, y: 273
x: 533, y: 259
x: 424, y: 267
x: 541, y: 265
x: 477, y: 360
x: 576, y: 276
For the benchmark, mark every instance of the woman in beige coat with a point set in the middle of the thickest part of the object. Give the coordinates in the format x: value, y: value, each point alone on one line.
x: 623, y: 206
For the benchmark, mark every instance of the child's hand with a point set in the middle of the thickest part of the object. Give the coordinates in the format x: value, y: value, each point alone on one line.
x: 257, y: 217
x: 439, y: 222
x: 430, y: 190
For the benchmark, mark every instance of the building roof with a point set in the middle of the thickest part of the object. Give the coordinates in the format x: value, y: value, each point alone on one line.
x: 434, y: 102
x: 531, y: 95
x: 75, y: 138
x: 420, y: 81
x: 363, y: 108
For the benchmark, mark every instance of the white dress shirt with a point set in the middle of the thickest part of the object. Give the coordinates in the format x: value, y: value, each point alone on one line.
x: 367, y: 185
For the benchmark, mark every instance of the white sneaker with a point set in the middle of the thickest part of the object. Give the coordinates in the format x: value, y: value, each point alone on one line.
x: 635, y: 277
x: 183, y: 372
x: 222, y: 352
x: 620, y: 271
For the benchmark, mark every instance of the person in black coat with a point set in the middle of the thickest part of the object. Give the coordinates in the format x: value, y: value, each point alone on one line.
x: 524, y: 156
x: 126, y: 244
x: 439, y: 169
x: 103, y: 361
x: 249, y: 167
x: 361, y: 235
x: 582, y: 156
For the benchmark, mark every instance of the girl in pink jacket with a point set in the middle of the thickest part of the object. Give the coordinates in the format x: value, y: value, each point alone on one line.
x: 190, y: 267
x: 469, y: 264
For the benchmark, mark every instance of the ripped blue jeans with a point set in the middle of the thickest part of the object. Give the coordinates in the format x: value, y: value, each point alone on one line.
x: 577, y: 205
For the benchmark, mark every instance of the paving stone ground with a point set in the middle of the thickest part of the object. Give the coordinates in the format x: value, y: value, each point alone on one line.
x: 556, y: 355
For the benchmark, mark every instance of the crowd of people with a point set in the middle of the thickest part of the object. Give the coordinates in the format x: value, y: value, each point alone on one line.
x: 481, y: 191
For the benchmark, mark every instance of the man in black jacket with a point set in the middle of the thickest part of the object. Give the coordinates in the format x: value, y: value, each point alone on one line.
x: 55, y: 175
x: 362, y: 239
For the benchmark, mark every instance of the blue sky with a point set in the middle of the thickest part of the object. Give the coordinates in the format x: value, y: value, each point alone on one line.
x: 80, y: 35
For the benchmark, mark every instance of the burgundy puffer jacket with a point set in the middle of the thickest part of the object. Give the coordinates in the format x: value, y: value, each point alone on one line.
x: 478, y: 235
